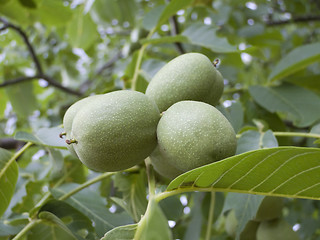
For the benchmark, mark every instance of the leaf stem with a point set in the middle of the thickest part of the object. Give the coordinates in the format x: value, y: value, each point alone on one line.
x: 16, y: 155
x: 26, y: 228
x: 211, y: 215
x: 292, y: 134
x: 296, y: 134
x: 139, y: 61
x: 86, y: 184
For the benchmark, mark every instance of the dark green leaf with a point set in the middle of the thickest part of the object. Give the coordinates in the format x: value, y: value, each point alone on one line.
x: 284, y: 171
x: 194, y: 226
x: 296, y: 60
x: 8, y: 179
x: 300, y: 105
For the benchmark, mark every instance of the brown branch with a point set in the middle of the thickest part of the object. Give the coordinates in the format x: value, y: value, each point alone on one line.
x: 175, y: 31
x: 40, y: 74
x: 301, y: 19
x: 10, y: 143
x: 26, y: 41
x: 109, y: 64
x: 45, y: 77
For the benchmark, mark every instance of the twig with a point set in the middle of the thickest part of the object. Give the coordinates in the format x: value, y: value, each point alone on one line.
x: 26, y: 41
x: 40, y: 74
x: 45, y: 77
x: 109, y: 64
x: 175, y: 31
x: 301, y: 19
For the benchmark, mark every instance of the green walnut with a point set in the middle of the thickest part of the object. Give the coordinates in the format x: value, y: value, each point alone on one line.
x: 191, y: 76
x: 163, y: 165
x: 115, y: 131
x: 277, y: 229
x: 192, y: 134
x: 270, y: 208
x: 69, y: 116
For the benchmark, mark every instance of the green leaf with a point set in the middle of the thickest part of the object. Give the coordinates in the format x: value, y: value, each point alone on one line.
x: 133, y: 187
x: 253, y: 140
x: 94, y: 207
x: 82, y: 31
x: 59, y: 17
x: 205, y: 36
x: 22, y: 98
x: 311, y: 82
x: 57, y: 164
x: 8, y: 230
x: 8, y: 179
x: 33, y: 194
x: 154, y: 224
x: 50, y: 227
x: 166, y: 39
x: 296, y: 60
x: 125, y: 232
x: 284, y: 171
x: 75, y: 220
x: 300, y: 105
x: 151, y: 19
x: 245, y: 207
x: 194, y: 227
x: 234, y: 114
x: 44, y: 136
x: 171, y: 9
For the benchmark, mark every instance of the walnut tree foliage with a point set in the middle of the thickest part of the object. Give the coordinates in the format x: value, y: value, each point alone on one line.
x: 54, y: 53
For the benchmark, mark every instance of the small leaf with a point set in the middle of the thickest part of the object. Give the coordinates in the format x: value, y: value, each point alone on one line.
x: 205, y: 36
x: 82, y: 31
x: 134, y: 195
x: 44, y: 136
x: 194, y: 227
x: 296, y: 60
x: 8, y: 179
x: 7, y: 230
x: 154, y: 224
x: 22, y: 98
x: 94, y: 207
x: 283, y: 171
x: 173, y: 7
x: 125, y: 232
x: 151, y: 18
x: 245, y: 207
x: 76, y: 221
x: 301, y: 105
x: 51, y: 227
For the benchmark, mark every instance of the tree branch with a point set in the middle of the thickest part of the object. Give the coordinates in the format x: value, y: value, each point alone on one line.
x: 175, y: 31
x: 301, y: 19
x: 26, y: 41
x: 40, y: 74
x: 45, y: 77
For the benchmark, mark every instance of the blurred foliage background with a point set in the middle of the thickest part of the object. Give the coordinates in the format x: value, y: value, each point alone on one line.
x: 53, y: 53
